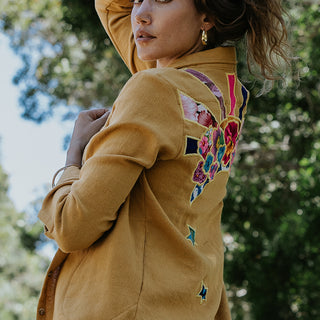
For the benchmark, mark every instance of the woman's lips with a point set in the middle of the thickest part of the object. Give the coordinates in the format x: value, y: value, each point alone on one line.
x: 143, y: 36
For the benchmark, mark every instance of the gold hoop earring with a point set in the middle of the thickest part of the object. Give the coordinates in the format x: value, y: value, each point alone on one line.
x: 204, y: 37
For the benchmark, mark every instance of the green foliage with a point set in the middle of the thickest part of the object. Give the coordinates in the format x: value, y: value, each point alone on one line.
x: 67, y: 57
x: 271, y: 214
x: 21, y: 269
x: 273, y: 204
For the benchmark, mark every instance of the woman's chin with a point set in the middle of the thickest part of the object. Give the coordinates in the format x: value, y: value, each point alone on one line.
x: 144, y: 56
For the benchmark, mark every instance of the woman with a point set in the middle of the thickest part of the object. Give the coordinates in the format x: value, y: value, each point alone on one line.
x: 136, y: 212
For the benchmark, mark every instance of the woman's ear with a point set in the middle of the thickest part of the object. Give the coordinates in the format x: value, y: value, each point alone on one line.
x: 207, y: 23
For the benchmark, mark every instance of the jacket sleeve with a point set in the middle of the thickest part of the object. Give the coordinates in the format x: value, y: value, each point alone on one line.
x: 146, y: 125
x: 115, y: 16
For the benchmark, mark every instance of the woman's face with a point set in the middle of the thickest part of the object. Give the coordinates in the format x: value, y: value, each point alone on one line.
x: 165, y: 30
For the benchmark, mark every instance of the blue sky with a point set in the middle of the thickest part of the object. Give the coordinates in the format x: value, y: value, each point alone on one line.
x: 29, y: 153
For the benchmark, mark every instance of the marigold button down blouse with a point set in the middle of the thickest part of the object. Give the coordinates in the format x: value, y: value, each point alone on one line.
x: 138, y: 226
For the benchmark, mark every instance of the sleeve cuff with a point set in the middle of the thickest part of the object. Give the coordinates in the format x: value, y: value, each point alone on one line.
x: 46, y: 214
x: 69, y: 174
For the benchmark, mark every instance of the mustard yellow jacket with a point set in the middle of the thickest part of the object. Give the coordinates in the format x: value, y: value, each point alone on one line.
x: 138, y: 226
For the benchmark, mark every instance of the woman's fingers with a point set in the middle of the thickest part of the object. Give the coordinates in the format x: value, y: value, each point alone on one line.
x: 97, y: 113
x: 88, y: 124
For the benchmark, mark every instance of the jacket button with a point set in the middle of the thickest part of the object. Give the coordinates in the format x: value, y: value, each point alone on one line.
x: 42, y: 311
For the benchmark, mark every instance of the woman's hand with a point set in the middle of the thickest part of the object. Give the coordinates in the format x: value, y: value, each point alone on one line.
x: 87, y: 124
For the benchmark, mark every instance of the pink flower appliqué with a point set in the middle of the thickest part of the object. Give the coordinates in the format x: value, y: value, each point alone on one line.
x: 231, y: 134
x: 190, y: 108
x: 205, y: 118
x: 204, y: 146
x: 236, y: 145
x: 199, y: 175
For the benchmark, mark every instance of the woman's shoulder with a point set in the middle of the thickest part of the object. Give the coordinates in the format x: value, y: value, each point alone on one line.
x: 157, y: 79
x: 150, y: 99
x: 153, y: 80
x: 151, y: 87
x: 159, y: 74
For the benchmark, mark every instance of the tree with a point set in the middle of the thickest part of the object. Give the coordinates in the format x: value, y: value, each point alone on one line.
x: 67, y: 58
x: 271, y: 213
x: 21, y: 269
x: 272, y: 210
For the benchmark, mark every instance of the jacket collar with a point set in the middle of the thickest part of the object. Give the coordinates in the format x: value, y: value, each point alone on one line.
x: 217, y: 55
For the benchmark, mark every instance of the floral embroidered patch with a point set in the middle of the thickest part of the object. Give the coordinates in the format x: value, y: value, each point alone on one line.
x: 195, y: 111
x: 213, y: 88
x: 218, y: 143
x: 217, y: 150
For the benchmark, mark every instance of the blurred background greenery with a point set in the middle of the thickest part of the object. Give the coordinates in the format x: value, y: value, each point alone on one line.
x: 271, y: 218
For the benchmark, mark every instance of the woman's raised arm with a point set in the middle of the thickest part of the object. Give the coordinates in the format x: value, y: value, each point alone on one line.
x: 115, y: 18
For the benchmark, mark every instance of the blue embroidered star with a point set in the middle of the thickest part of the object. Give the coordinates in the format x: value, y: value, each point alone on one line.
x: 192, y: 235
x: 203, y: 293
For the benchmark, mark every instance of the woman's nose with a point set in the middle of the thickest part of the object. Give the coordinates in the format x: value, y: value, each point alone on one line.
x: 143, y: 13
